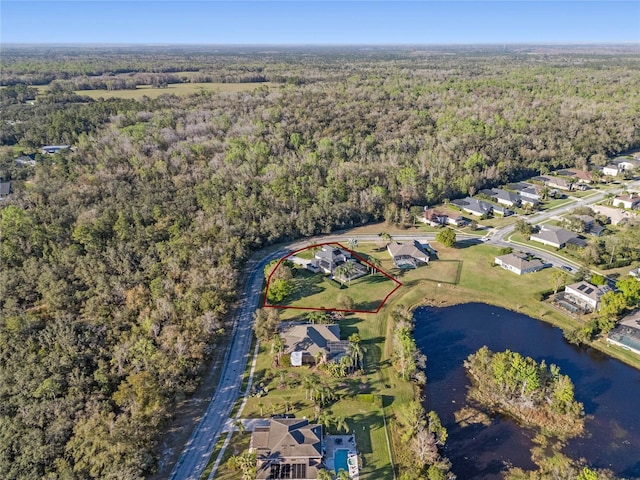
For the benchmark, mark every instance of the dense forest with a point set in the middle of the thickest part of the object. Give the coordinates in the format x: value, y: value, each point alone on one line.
x: 120, y: 258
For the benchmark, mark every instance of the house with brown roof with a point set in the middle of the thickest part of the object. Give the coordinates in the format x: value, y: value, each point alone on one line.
x: 582, y: 175
x: 519, y: 264
x: 631, y: 201
x: 288, y: 448
x: 408, y: 255
x: 434, y: 218
x: 305, y: 342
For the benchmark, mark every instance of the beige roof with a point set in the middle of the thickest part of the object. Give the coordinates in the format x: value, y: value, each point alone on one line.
x: 414, y: 249
x: 312, y: 339
x: 615, y: 214
x: 588, y: 290
x: 520, y: 261
x: 288, y: 440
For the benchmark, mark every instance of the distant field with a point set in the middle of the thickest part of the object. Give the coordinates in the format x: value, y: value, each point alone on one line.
x: 175, y: 89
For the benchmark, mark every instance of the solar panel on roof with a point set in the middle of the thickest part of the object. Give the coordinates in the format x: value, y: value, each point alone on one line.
x: 589, y: 291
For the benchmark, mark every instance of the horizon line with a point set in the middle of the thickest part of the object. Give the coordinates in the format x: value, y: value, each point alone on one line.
x: 305, y: 44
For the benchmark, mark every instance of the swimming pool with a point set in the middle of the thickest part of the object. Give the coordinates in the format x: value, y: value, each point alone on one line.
x: 340, y: 460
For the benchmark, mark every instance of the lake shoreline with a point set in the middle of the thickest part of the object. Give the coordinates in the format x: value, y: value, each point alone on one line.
x: 447, y: 335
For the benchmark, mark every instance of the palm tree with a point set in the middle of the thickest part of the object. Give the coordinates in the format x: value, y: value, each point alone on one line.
x: 341, y: 424
x: 353, y: 243
x: 325, y: 474
x: 342, y: 475
x: 261, y: 407
x: 349, y: 270
x: 278, y: 346
x: 356, y: 352
x: 309, y: 384
x: 325, y: 419
x: 346, y: 363
x: 240, y: 426
x: 374, y: 262
x: 340, y: 273
x: 318, y: 356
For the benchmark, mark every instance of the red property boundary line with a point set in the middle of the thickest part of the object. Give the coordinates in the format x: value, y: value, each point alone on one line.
x: 266, y: 293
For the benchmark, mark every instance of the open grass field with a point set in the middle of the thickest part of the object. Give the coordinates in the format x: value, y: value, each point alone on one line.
x: 315, y: 290
x: 180, y: 89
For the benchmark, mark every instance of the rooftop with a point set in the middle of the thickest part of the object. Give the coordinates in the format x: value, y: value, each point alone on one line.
x: 554, y: 234
x: 313, y: 339
x: 520, y: 261
x: 589, y: 290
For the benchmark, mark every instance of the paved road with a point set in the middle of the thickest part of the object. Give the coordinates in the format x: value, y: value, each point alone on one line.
x: 497, y: 237
x: 199, y: 448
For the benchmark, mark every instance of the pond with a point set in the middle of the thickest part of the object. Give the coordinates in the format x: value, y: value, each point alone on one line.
x: 609, y: 390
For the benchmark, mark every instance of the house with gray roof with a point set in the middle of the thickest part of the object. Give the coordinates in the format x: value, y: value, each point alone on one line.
x: 615, y: 215
x: 474, y: 206
x: 503, y: 197
x: 554, y: 236
x: 288, y: 448
x: 627, y: 333
x: 305, y: 342
x: 519, y: 263
x: 409, y: 254
x: 526, y: 190
x: 626, y: 163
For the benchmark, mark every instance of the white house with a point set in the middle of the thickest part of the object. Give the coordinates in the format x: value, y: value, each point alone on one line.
x: 611, y: 170
x: 586, y: 295
x: 627, y: 201
x: 518, y: 263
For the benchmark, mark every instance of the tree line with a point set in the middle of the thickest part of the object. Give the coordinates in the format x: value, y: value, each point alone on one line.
x: 121, y: 258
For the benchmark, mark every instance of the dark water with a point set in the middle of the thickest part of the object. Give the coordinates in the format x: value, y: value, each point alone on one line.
x: 609, y: 389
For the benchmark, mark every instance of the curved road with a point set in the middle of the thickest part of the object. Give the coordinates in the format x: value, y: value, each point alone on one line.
x: 201, y: 444
x: 198, y: 450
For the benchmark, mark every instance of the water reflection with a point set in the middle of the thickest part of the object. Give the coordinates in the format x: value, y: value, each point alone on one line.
x: 609, y: 389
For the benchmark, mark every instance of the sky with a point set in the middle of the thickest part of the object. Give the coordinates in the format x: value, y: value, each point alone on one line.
x: 319, y: 22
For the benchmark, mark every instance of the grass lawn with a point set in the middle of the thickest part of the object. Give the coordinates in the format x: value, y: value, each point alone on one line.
x: 555, y: 203
x: 497, y: 221
x: 174, y: 88
x: 239, y: 443
x: 316, y: 290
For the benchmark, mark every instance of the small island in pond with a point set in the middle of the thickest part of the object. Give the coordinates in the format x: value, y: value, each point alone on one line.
x: 530, y: 392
